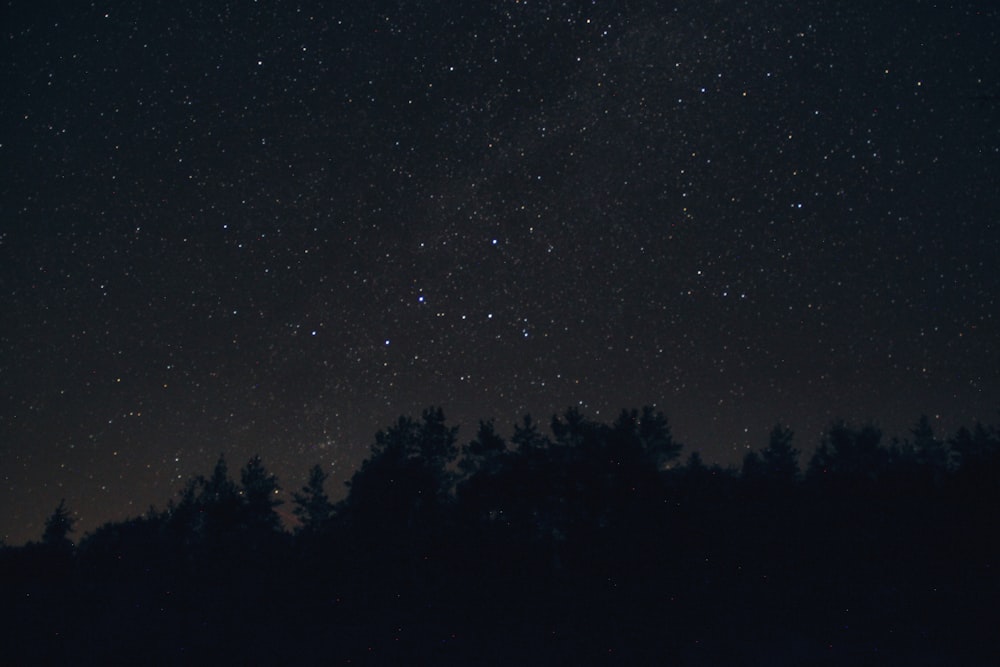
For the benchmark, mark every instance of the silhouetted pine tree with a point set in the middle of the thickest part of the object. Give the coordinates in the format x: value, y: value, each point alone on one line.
x: 647, y: 430
x: 406, y: 478
x: 979, y: 447
x: 58, y: 527
x: 259, y: 491
x: 527, y: 439
x: 779, y: 460
x: 930, y: 451
x: 482, y: 454
x: 752, y: 469
x: 312, y: 505
x: 849, y: 454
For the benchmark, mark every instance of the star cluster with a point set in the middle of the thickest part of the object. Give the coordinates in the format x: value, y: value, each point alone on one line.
x: 273, y: 228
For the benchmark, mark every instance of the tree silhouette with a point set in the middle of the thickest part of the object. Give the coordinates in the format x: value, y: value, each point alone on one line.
x: 527, y: 439
x: 978, y: 448
x: 928, y: 449
x: 649, y: 433
x: 218, y: 502
x: 752, y: 467
x: 407, y: 474
x: 483, y: 453
x: 584, y: 535
x: 486, y: 466
x: 777, y: 463
x: 209, y: 509
x: 849, y: 453
x: 259, y: 492
x: 312, y: 505
x: 695, y: 465
x: 573, y: 430
x: 58, y: 527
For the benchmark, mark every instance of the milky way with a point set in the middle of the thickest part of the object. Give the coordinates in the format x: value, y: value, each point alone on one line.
x: 273, y: 229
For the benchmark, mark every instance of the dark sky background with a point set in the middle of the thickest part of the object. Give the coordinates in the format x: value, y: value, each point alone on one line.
x: 256, y: 227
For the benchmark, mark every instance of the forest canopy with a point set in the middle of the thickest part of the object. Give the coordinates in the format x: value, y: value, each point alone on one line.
x: 583, y: 542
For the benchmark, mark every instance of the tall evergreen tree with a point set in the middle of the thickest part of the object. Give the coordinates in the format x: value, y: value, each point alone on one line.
x: 58, y: 527
x: 312, y: 505
x: 259, y: 490
x: 929, y: 450
x: 779, y: 460
x: 979, y: 447
x: 851, y: 453
x: 407, y: 476
x: 218, y: 502
x: 752, y: 467
x: 651, y: 429
x: 483, y: 452
x: 527, y: 438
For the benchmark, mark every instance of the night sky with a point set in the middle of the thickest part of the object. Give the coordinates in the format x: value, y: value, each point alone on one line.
x: 273, y: 228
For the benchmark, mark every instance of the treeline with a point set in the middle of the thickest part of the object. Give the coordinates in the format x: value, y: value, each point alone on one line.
x: 588, y: 543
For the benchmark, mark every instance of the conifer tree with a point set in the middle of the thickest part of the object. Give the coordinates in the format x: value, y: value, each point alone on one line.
x: 312, y: 505
x: 58, y: 527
